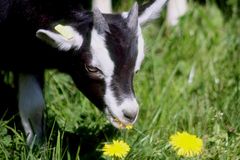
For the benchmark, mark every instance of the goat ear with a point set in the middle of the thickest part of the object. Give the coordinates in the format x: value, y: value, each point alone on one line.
x: 150, y: 11
x: 63, y: 41
x: 99, y: 22
x: 132, y: 19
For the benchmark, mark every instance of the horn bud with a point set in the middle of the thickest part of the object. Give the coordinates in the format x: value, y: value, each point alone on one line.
x: 99, y: 22
x: 132, y: 19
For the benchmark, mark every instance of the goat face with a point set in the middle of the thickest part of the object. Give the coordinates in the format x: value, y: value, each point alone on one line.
x: 105, y: 57
x: 107, y: 53
x: 109, y: 64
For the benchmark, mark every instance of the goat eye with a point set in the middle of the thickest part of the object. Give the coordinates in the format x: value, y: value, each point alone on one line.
x: 91, y: 69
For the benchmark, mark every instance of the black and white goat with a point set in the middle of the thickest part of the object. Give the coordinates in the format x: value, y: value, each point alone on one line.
x: 101, y: 52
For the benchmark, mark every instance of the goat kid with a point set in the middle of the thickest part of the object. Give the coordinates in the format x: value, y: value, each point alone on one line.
x: 101, y: 52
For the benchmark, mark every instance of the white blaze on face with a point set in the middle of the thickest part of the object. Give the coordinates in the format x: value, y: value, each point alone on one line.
x: 100, y: 55
x: 101, y: 59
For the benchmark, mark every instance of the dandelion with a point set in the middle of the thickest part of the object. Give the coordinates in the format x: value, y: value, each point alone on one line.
x: 118, y: 149
x: 129, y: 126
x: 121, y: 125
x: 186, y: 144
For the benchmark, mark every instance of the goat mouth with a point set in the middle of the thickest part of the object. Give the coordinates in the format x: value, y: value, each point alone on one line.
x: 116, y: 122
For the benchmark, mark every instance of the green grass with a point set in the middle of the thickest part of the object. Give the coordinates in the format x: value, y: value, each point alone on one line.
x: 206, y: 44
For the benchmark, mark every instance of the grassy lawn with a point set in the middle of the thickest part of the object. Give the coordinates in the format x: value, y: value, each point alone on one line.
x: 189, y: 81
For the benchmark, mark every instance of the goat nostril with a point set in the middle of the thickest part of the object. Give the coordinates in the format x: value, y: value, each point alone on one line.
x: 129, y: 115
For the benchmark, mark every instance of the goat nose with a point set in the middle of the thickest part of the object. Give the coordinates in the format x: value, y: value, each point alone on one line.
x: 130, y: 115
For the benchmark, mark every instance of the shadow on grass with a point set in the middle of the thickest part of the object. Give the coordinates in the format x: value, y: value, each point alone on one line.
x: 85, y: 143
x: 8, y: 98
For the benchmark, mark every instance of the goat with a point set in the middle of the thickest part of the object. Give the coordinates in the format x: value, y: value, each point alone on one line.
x: 101, y: 52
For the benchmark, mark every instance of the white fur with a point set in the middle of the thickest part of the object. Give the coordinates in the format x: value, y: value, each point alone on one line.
x: 152, y: 12
x: 58, y: 41
x: 176, y: 9
x: 129, y: 104
x: 115, y: 111
x: 104, y: 6
x: 100, y: 54
x: 140, y: 55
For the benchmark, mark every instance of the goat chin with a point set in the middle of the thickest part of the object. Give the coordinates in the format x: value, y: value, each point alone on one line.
x: 116, y: 122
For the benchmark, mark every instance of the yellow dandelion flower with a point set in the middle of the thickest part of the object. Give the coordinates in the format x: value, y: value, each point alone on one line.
x: 121, y: 125
x: 129, y: 126
x: 118, y: 149
x: 186, y: 144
